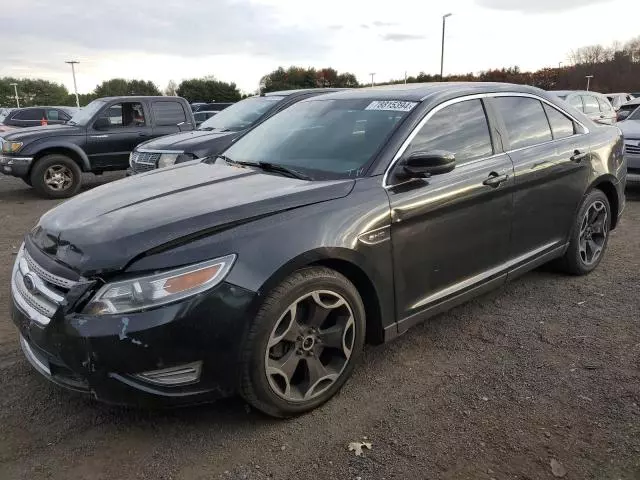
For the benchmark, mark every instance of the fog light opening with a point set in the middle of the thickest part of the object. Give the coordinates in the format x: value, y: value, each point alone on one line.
x: 177, y: 376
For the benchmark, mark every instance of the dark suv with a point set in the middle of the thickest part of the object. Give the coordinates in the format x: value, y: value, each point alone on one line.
x: 218, y: 132
x: 349, y: 216
x: 34, y: 116
x: 98, y: 138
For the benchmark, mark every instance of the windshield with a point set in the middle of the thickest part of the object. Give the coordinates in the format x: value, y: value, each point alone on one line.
x: 82, y: 116
x: 241, y: 115
x: 323, y: 138
x: 635, y: 115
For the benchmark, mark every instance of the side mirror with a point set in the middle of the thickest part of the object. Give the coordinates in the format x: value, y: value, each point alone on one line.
x: 425, y: 164
x: 101, y: 123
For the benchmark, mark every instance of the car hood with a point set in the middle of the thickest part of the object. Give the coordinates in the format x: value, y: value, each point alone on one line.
x: 104, y: 229
x: 184, y: 141
x: 32, y: 133
x: 630, y: 128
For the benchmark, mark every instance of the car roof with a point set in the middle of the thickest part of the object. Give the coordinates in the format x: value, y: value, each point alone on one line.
x: 133, y: 98
x: 617, y: 93
x: 286, y: 93
x: 582, y: 92
x: 420, y: 91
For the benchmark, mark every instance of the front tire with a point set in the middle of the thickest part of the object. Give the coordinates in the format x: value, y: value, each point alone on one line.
x: 303, y: 344
x: 56, y: 176
x: 589, y: 235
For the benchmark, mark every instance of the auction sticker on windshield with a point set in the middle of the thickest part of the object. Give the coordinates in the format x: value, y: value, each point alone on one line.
x: 391, y: 105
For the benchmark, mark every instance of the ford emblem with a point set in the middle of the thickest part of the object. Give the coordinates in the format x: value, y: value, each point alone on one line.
x: 29, y: 282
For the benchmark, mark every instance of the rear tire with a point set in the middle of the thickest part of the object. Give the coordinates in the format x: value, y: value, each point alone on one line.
x: 589, y: 235
x: 56, y: 176
x: 303, y: 344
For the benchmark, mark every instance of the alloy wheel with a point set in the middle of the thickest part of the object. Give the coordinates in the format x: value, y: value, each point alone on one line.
x: 593, y: 232
x: 310, y: 346
x: 58, y: 177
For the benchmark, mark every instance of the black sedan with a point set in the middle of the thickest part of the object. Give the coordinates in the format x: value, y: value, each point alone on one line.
x: 264, y: 271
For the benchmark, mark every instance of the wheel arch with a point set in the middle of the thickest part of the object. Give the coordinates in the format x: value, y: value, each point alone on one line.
x: 606, y: 185
x: 72, y: 151
x: 354, y: 268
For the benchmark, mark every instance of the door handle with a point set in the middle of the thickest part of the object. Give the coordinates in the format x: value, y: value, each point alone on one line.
x: 495, y: 179
x: 577, y: 156
x: 142, y: 134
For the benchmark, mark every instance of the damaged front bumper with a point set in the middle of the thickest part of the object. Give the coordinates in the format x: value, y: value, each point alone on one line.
x: 184, y: 353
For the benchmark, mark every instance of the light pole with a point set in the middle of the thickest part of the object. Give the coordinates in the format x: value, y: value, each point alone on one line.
x: 75, y: 87
x: 559, y: 65
x: 444, y: 23
x: 15, y: 89
x: 372, y: 75
x: 588, y: 77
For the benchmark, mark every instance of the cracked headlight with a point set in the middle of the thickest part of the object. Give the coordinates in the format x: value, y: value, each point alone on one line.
x: 141, y: 293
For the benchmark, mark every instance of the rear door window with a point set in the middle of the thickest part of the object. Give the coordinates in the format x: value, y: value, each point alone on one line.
x: 605, y: 107
x: 125, y: 115
x: 590, y: 104
x: 168, y: 113
x: 53, y: 115
x: 461, y: 128
x: 576, y: 102
x: 31, y: 114
x: 525, y: 121
x: 561, y: 125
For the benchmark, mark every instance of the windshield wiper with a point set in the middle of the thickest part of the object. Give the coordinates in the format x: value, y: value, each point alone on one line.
x: 268, y: 167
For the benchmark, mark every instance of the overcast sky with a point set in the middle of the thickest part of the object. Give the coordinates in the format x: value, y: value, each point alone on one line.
x: 240, y: 40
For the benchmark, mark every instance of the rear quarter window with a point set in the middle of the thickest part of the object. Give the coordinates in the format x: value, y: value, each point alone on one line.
x: 561, y: 125
x: 168, y: 113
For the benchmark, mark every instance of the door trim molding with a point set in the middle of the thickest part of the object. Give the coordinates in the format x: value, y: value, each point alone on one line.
x: 460, y: 296
x: 476, y: 279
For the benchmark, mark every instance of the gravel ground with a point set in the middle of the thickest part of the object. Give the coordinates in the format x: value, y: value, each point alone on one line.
x: 544, y: 370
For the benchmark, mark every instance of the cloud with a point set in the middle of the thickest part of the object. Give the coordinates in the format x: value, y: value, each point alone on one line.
x: 378, y: 23
x: 537, y: 6
x: 365, y: 26
x: 400, y: 37
x: 170, y: 28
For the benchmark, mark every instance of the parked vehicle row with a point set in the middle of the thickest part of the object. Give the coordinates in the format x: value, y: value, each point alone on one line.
x: 217, y: 133
x: 346, y: 218
x: 96, y: 139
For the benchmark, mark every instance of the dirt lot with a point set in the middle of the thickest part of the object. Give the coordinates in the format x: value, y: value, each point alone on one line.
x: 545, y: 369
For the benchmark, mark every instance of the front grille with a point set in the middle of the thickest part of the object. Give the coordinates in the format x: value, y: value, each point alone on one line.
x: 632, y: 148
x: 37, y: 291
x: 144, y: 161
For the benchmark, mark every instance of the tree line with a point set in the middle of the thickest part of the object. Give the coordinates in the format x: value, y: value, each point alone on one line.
x: 614, y: 69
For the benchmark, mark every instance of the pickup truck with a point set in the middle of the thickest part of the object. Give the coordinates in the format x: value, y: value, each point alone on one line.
x: 98, y: 138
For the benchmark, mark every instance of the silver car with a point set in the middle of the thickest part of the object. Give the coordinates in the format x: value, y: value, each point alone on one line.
x: 593, y: 104
x: 631, y: 131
